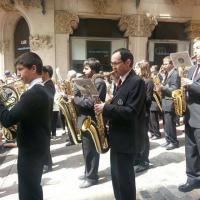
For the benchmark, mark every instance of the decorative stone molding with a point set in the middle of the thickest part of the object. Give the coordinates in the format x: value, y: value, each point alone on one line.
x: 193, y: 29
x: 100, y: 6
x: 65, y: 22
x: 137, y: 25
x: 4, y: 46
x: 186, y: 2
x: 7, y: 5
x: 38, y: 42
x: 30, y: 3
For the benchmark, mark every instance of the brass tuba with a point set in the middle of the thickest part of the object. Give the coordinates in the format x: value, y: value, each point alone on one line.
x: 69, y: 110
x: 97, y: 128
x: 9, y: 97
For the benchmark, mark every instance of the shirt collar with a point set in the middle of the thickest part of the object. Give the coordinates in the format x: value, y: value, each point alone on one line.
x: 123, y: 78
x: 170, y: 72
x: 34, y: 82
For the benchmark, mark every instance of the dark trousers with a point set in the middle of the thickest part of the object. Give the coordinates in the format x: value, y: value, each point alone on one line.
x: 54, y: 122
x: 192, y: 153
x: 48, y: 159
x: 143, y: 157
x: 154, y: 123
x: 91, y: 157
x: 30, y: 168
x: 170, y: 127
x: 123, y: 175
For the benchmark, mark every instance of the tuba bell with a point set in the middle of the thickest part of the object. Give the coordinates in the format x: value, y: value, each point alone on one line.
x: 9, y: 97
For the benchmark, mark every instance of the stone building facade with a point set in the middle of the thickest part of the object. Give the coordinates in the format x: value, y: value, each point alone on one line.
x: 65, y: 32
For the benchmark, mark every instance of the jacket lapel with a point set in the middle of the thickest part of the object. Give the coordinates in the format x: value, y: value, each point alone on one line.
x: 191, y: 72
x: 121, y: 87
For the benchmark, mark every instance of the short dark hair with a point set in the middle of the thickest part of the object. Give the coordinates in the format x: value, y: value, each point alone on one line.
x: 125, y: 55
x: 48, y: 69
x: 93, y: 63
x: 28, y: 60
x: 169, y: 59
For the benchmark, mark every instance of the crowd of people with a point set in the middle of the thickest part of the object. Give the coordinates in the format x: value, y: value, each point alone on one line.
x: 128, y: 96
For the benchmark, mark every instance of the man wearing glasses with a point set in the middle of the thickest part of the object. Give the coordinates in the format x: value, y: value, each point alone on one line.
x: 124, y: 112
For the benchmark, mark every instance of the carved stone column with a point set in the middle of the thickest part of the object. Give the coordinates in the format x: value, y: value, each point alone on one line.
x: 138, y: 28
x: 193, y: 29
x: 65, y: 23
x: 4, y: 46
x: 6, y: 5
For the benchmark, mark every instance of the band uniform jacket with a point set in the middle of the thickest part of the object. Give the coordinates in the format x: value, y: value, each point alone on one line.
x: 50, y: 88
x: 125, y: 113
x: 149, y: 93
x: 49, y: 85
x: 32, y: 116
x: 171, y: 83
x: 193, y: 100
x: 85, y: 104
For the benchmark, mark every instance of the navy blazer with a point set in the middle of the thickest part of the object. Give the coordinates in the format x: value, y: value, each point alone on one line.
x: 126, y: 115
x: 32, y: 115
x: 193, y: 104
x: 172, y: 83
x: 50, y: 88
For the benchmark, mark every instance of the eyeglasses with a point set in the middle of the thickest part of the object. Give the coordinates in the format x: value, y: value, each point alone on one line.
x: 116, y: 63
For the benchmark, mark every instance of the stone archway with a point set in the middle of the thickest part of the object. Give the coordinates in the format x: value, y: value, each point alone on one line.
x: 8, y: 24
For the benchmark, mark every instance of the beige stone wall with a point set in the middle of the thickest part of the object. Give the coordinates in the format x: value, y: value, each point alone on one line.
x: 50, y: 37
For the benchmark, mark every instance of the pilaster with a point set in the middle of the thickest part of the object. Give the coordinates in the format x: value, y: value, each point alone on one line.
x: 65, y: 23
x: 138, y: 28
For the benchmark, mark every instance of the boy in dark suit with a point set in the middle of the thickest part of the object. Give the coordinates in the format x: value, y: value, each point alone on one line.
x: 85, y: 105
x: 32, y: 116
x: 124, y: 113
x: 47, y: 73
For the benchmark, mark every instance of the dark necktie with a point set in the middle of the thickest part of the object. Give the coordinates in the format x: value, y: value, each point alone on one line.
x: 166, y: 76
x: 196, y: 72
x: 119, y: 84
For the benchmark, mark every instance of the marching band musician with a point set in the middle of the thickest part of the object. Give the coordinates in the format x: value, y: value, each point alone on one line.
x: 47, y: 73
x: 155, y: 111
x: 85, y: 107
x: 170, y: 83
x: 124, y: 113
x: 143, y: 70
x: 32, y: 116
x: 192, y: 124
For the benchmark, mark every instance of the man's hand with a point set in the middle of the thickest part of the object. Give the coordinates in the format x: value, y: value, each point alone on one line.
x: 186, y: 82
x: 99, y: 108
x: 70, y: 98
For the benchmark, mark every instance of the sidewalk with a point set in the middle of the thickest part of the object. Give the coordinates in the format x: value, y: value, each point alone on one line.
x: 158, y: 183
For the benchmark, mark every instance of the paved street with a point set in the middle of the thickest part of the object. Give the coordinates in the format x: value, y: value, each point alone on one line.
x: 160, y: 182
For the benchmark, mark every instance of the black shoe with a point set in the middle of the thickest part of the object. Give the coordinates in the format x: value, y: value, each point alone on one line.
x: 155, y: 137
x: 165, y: 144
x: 88, y: 183
x: 141, y: 168
x: 187, y: 187
x: 82, y: 177
x: 69, y: 143
x: 53, y: 137
x: 47, y: 168
x: 172, y: 146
